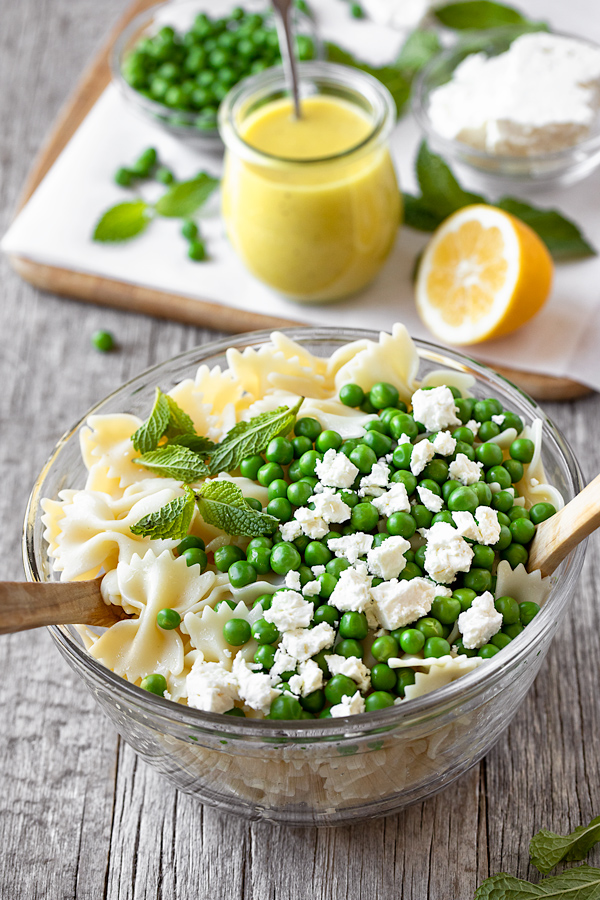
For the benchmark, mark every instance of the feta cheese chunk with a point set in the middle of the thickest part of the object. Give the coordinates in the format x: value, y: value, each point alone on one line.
x: 348, y: 706
x: 499, y: 419
x: 313, y: 526
x: 394, y: 500
x: 351, y: 546
x: 330, y: 506
x: 388, y: 560
x: 479, y: 623
x: 311, y: 588
x: 399, y: 603
x: 302, y: 643
x: 254, y: 687
x: 291, y: 530
x: 464, y: 470
x: 352, y: 667
x: 467, y: 526
x: 430, y: 500
x: 446, y: 553
x: 371, y: 485
x: 489, y: 526
x: 283, y: 662
x: 353, y: 590
x: 292, y: 580
x: 336, y: 470
x: 444, y: 443
x: 308, y: 679
x: 289, y: 610
x: 211, y: 687
x: 422, y: 453
x: 435, y: 408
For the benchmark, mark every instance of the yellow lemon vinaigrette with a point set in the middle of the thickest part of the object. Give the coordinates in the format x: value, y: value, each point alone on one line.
x: 311, y: 205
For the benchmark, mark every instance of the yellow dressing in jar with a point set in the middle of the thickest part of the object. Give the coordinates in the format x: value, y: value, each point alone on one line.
x: 312, y: 205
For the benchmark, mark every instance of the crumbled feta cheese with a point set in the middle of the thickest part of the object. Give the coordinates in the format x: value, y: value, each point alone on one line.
x: 352, y: 592
x: 422, y: 453
x: 480, y: 622
x: 313, y: 526
x: 351, y: 546
x: 379, y: 476
x: 289, y: 610
x: 466, y: 525
x: 394, y: 500
x: 302, y: 643
x: 330, y: 505
x: 353, y: 667
x: 348, y: 706
x: 444, y: 443
x: 292, y: 580
x: 388, y: 560
x: 446, y: 553
x: 318, y: 570
x: 464, y: 470
x: 283, y: 662
x: 489, y: 526
x: 399, y: 603
x: 435, y: 409
x: 254, y: 687
x: 403, y: 439
x: 311, y: 589
x: 211, y: 687
x: 430, y: 500
x: 336, y: 470
x: 309, y: 678
x: 474, y: 426
x: 499, y: 419
x: 291, y: 530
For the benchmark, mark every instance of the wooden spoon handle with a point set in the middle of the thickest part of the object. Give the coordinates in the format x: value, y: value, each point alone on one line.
x: 26, y: 605
x: 557, y: 536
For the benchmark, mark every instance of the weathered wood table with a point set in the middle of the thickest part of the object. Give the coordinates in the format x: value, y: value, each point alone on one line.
x: 80, y: 816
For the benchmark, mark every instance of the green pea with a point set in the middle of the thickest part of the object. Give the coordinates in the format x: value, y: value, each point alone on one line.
x: 514, y: 469
x: 465, y: 449
x: 462, y: 650
x: 483, y: 557
x: 253, y: 503
x: 436, y: 647
x: 308, y: 462
x: 431, y: 485
x: 264, y: 632
x: 363, y: 458
x: 301, y: 445
x: 402, y: 524
x: 280, y: 508
x: 384, y: 648
x: 383, y: 394
x: 502, y: 517
x: 168, y: 619
x: 522, y: 530
x: 483, y: 491
x: 463, y: 499
x: 350, y: 498
x: 339, y: 686
x: 488, y: 430
x: 249, y: 467
x: 382, y: 677
x: 464, y: 434
x: 103, y: 341
x: 188, y: 543
x: 195, y: 557
x: 349, y: 648
x: 505, y: 539
x: 285, y: 558
x: 226, y: 556
x: 237, y: 632
x: 478, y: 580
x: 277, y: 488
x: 317, y: 554
x: 444, y: 516
x: 295, y: 473
x: 337, y: 566
x: 518, y: 512
x: 403, y: 424
x: 527, y: 611
x: 268, y: 473
x: 227, y: 602
x: 307, y: 427
x: 539, y: 512
x: 500, y: 640
x: 489, y: 454
x: 313, y: 702
x: 465, y: 597
x: 410, y: 571
x: 500, y: 475
x: 260, y: 559
x: 522, y: 449
x: 379, y: 443
x: 485, y: 409
x: 285, y: 707
x: 446, y: 609
x: 512, y: 630
x: 509, y: 608
x: 436, y: 470
x: 279, y: 450
x: 405, y: 678
x: 402, y: 476
x: 326, y: 613
x: 378, y: 699
x: 429, y: 627
x: 367, y: 407
x: 511, y: 420
x: 502, y: 501
x: 327, y: 584
x: 464, y: 409
x: 487, y: 651
x: 155, y: 684
x: 241, y: 573
x: 411, y: 640
x: 353, y: 625
x: 328, y: 440
x: 515, y: 555
x: 364, y: 517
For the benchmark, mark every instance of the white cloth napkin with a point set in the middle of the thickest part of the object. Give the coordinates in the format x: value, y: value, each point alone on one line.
x: 55, y: 226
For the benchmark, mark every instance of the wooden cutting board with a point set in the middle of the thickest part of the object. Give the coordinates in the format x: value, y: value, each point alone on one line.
x: 110, y: 292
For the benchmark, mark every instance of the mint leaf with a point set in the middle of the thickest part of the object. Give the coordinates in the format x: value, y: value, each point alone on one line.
x: 222, y: 504
x: 420, y: 46
x: 392, y: 76
x: 247, y: 438
x: 548, y: 849
x: 562, y: 236
x: 440, y: 190
x: 122, y: 222
x: 479, y: 14
x: 580, y: 883
x: 179, y: 421
x: 417, y: 214
x: 202, y: 445
x: 148, y: 435
x: 171, y: 521
x: 184, y: 199
x: 173, y: 461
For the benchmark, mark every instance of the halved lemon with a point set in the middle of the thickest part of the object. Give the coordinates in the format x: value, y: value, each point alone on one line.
x: 484, y: 273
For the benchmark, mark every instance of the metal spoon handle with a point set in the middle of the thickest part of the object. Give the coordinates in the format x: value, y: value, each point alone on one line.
x: 283, y: 20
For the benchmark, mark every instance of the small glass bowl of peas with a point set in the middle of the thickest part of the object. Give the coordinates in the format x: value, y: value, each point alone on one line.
x: 175, y: 62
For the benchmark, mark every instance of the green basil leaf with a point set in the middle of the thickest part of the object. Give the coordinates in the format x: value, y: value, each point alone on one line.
x: 122, y: 222
x: 440, y: 190
x: 174, y: 461
x: 247, y: 438
x: 418, y: 215
x: 479, y: 14
x: 580, y: 883
x: 222, y: 504
x: 391, y: 76
x: 148, y: 435
x: 562, y: 236
x: 186, y: 198
x: 548, y: 849
x: 420, y: 46
x: 171, y: 521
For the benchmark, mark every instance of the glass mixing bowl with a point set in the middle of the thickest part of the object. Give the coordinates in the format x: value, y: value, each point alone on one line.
x: 324, y: 771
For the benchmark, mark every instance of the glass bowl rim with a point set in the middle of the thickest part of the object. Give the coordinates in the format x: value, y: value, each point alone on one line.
x: 454, y: 147
x: 431, y: 705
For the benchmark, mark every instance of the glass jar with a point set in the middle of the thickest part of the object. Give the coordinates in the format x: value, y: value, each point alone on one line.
x: 317, y: 228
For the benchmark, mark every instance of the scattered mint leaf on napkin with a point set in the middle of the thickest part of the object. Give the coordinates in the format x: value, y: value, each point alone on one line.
x: 562, y: 236
x: 123, y: 222
x: 548, y: 849
x: 170, y: 521
x: 392, y: 76
x: 185, y: 198
x: 478, y: 14
x: 420, y: 46
x: 174, y: 461
x: 580, y: 883
x: 148, y: 435
x: 247, y: 438
x: 222, y: 504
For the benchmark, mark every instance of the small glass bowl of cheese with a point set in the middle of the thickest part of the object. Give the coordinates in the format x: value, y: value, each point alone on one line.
x: 517, y: 111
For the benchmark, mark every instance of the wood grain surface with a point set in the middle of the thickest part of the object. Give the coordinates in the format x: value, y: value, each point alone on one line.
x: 80, y: 816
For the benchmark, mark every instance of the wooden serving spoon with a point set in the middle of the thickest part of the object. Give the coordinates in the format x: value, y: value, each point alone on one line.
x: 28, y: 605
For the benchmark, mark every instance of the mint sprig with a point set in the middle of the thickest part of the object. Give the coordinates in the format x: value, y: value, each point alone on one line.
x: 580, y: 883
x: 195, y: 442
x: 174, y: 461
x: 185, y: 198
x: 179, y: 421
x: 123, y: 222
x: 479, y: 15
x: 441, y: 195
x: 548, y: 849
x: 222, y: 504
x: 420, y: 46
x: 166, y: 418
x: 170, y: 521
x: 248, y: 438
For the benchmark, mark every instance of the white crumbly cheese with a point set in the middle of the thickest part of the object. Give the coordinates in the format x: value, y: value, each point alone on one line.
x: 540, y: 96
x: 353, y: 590
x: 489, y: 526
x: 291, y: 530
x: 446, y: 553
x: 289, y: 610
x: 480, y: 622
x: 474, y: 426
x: 313, y: 526
x: 371, y: 485
x: 444, y: 444
x: 422, y: 453
x: 308, y: 679
x: 302, y: 643
x: 499, y: 419
x: 330, y: 506
x: 210, y: 687
x: 435, y: 409
x: 351, y: 546
x: 399, y: 603
x: 283, y: 662
x: 254, y: 688
x: 336, y: 470
x: 292, y: 580
x: 352, y: 667
x: 467, y: 526
x: 311, y: 589
x: 318, y: 570
x: 388, y: 560
x: 348, y: 706
x: 394, y: 500
x: 430, y: 501
x: 465, y: 470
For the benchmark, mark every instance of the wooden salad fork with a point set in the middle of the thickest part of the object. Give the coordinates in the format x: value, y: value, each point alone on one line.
x: 26, y: 605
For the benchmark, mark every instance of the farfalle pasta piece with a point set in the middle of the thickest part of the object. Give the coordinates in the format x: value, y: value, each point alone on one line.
x: 331, y: 414
x: 213, y: 400
x: 206, y: 632
x: 440, y: 671
x: 108, y: 452
x: 262, y: 371
x: 393, y: 359
x: 534, y: 484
